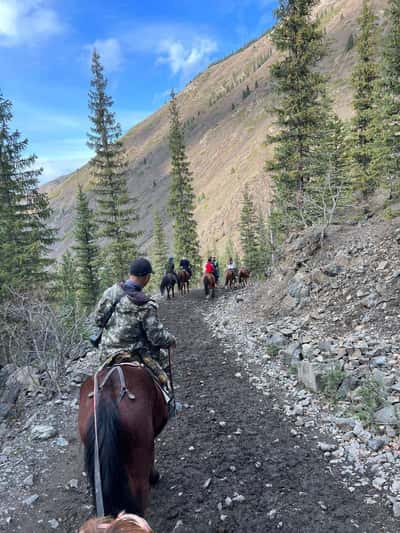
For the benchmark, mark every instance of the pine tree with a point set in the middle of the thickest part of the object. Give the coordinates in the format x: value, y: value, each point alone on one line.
x: 25, y: 238
x: 301, y: 89
x: 364, y: 82
x: 263, y: 244
x: 86, y: 252
x: 181, y: 199
x: 386, y: 155
x: 115, y: 212
x: 159, y: 248
x: 66, y: 286
x: 248, y: 232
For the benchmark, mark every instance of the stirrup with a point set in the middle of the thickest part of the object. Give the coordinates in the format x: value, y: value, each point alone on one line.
x: 174, y: 407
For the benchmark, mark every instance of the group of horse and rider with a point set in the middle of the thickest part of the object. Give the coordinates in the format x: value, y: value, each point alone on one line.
x: 129, y: 400
x: 211, y: 276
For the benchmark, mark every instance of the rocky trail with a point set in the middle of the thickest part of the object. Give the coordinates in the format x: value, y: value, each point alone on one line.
x: 231, y: 462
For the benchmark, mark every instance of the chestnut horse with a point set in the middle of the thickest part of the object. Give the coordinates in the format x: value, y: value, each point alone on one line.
x: 230, y: 278
x: 168, y: 282
x: 183, y: 281
x: 131, y: 412
x: 244, y: 274
x: 209, y: 284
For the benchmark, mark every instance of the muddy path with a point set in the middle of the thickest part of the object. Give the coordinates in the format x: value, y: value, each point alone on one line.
x: 229, y: 463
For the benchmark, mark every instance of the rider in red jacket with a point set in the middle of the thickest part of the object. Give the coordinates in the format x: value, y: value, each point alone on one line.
x: 209, y: 267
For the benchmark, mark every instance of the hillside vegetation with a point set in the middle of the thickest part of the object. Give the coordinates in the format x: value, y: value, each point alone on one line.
x: 227, y: 111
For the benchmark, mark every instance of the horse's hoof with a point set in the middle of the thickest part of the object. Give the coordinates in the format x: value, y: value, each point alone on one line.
x: 154, y: 477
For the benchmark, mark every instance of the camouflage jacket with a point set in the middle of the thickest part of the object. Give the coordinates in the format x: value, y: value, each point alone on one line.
x: 134, y: 326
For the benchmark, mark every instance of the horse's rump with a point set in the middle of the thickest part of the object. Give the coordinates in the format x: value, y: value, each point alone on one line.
x: 126, y: 430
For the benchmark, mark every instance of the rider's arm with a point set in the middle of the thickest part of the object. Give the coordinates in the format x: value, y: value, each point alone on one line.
x: 104, y: 306
x: 156, y: 334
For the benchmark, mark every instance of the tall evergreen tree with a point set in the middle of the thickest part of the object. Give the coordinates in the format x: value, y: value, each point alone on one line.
x: 248, y: 232
x: 301, y: 90
x: 115, y: 212
x: 364, y: 81
x: 25, y: 237
x: 181, y: 200
x: 66, y: 285
x: 86, y: 252
x: 263, y: 244
x: 159, y: 250
x: 386, y: 155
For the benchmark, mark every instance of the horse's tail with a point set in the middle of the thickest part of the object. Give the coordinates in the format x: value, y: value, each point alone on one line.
x: 115, y: 489
x: 162, y: 287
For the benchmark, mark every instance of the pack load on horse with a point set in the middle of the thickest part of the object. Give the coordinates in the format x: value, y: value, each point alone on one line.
x: 126, y: 404
x: 244, y: 275
x: 124, y: 523
x: 230, y: 274
x: 209, y: 279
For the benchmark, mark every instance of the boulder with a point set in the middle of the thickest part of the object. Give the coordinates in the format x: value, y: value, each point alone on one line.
x: 299, y: 286
x: 311, y: 374
x: 388, y: 415
x: 43, y: 432
x: 332, y: 269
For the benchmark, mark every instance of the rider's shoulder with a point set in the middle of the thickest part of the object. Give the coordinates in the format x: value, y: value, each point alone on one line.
x: 112, y: 292
x: 150, y: 304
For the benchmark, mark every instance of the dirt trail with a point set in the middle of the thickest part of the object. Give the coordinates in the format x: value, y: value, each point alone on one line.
x: 229, y: 463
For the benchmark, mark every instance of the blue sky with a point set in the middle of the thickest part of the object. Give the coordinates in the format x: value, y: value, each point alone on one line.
x: 147, y: 47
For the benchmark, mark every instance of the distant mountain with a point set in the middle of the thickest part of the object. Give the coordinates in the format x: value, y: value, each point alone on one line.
x: 225, y: 135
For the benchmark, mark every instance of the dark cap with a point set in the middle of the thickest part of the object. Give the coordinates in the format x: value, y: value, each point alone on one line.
x: 140, y: 267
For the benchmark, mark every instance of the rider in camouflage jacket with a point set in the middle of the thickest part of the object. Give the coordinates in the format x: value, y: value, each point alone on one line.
x: 134, y: 329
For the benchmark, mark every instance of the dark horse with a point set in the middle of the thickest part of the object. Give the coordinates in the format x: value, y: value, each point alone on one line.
x: 244, y: 274
x: 209, y: 284
x: 128, y: 421
x: 168, y: 282
x: 183, y: 281
x: 230, y: 278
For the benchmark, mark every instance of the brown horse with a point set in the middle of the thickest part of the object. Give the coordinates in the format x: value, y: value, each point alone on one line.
x: 230, y: 278
x: 209, y: 284
x: 130, y: 413
x: 183, y: 281
x: 244, y: 275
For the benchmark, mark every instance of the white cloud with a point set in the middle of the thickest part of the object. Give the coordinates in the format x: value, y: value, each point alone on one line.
x: 186, y: 58
x: 27, y: 22
x: 110, y: 53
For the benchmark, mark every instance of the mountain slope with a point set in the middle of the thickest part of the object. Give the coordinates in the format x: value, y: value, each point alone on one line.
x: 225, y: 135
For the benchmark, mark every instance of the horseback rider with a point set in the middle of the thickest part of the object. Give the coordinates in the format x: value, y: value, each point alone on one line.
x: 216, y: 268
x: 133, y: 332
x: 209, y: 267
x: 231, y: 265
x: 170, y: 267
x: 185, y: 265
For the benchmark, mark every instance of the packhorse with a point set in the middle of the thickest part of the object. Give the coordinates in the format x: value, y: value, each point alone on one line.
x: 168, y: 282
x: 244, y: 275
x: 183, y: 281
x: 119, y: 440
x: 230, y: 278
x: 209, y: 284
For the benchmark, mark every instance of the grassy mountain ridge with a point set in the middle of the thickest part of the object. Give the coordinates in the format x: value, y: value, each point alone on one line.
x: 225, y: 135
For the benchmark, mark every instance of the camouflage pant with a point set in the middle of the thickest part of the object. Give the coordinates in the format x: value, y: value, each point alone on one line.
x: 156, y: 367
